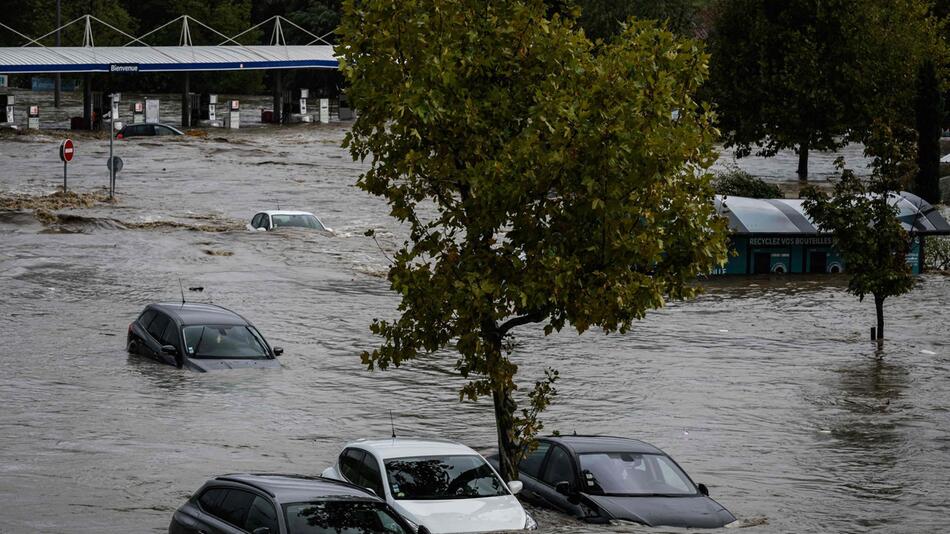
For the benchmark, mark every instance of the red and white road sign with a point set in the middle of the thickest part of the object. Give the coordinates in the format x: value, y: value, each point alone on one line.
x: 67, y: 151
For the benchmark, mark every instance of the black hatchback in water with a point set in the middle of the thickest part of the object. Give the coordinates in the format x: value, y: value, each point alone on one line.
x: 201, y: 337
x: 285, y: 504
x: 601, y: 478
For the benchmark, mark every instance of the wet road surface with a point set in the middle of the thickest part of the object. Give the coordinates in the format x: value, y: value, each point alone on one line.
x: 763, y: 389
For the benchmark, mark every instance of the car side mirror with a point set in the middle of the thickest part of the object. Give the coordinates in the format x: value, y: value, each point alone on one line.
x: 515, y: 486
x: 703, y: 489
x: 278, y: 351
x: 423, y: 530
x: 564, y: 488
x: 170, y: 350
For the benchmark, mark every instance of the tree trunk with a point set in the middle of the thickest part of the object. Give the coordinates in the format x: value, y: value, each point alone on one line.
x: 879, y: 306
x: 504, y: 420
x: 929, y: 107
x: 803, y: 161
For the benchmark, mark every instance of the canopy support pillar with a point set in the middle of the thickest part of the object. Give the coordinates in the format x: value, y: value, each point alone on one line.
x: 186, y: 102
x: 278, y: 97
x: 87, y: 101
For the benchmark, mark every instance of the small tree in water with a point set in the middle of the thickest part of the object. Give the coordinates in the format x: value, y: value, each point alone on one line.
x: 542, y: 180
x: 862, y: 219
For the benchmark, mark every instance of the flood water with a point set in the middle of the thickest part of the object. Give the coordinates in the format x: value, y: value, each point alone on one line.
x: 764, y: 389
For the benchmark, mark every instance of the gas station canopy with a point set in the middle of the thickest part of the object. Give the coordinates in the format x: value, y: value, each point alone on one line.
x: 133, y: 59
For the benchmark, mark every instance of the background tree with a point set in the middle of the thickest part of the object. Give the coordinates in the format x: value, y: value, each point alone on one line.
x: 781, y: 75
x: 540, y: 182
x: 603, y: 19
x: 929, y: 104
x: 900, y: 39
x: 862, y: 219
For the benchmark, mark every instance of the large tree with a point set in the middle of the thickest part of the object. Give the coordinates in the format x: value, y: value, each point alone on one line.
x: 540, y: 182
x: 780, y: 75
x: 815, y: 74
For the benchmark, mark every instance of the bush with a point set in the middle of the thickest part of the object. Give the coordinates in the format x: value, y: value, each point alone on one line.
x: 738, y: 183
x: 937, y: 253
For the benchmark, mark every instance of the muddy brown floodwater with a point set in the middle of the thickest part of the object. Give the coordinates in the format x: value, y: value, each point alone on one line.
x: 764, y: 389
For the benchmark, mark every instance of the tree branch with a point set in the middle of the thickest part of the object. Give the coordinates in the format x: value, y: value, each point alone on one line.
x: 532, y: 317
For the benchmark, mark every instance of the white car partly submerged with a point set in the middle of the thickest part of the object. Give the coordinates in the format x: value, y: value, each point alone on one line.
x: 441, y: 485
x: 273, y: 219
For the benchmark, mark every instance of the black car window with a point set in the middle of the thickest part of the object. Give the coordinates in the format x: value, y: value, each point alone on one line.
x: 235, y: 506
x: 265, y: 221
x: 558, y: 467
x: 261, y: 514
x: 157, y: 327
x: 371, y: 475
x: 350, y: 462
x: 164, y: 130
x: 531, y: 465
x: 210, y: 500
x: 146, y: 318
x: 170, y: 335
x: 256, y: 221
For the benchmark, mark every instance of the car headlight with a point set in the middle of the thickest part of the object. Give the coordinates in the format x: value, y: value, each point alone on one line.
x: 529, y: 522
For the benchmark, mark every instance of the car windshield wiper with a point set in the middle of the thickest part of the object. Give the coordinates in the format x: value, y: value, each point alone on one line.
x: 198, y: 344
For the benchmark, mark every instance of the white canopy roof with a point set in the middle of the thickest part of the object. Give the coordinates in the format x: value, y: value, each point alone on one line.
x: 132, y: 59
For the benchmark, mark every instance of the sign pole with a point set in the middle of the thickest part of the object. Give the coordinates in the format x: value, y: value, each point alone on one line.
x: 111, y: 166
x: 64, y: 177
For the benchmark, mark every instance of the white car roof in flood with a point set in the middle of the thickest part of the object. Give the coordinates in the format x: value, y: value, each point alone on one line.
x: 410, y: 447
x: 286, y: 212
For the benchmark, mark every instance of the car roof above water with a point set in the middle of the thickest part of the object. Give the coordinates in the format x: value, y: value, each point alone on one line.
x: 412, y: 447
x: 193, y: 313
x: 298, y: 488
x: 589, y: 444
x: 286, y: 212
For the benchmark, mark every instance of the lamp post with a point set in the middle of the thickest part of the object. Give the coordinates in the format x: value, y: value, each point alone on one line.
x: 58, y: 80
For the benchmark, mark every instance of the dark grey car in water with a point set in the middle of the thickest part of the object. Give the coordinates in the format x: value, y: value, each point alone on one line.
x: 284, y: 504
x: 201, y: 337
x: 600, y: 478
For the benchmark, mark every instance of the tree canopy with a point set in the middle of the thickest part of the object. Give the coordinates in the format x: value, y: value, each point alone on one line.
x: 862, y: 219
x: 541, y: 182
x: 815, y: 74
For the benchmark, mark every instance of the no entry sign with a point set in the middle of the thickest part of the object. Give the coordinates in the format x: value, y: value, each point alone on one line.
x: 66, y: 151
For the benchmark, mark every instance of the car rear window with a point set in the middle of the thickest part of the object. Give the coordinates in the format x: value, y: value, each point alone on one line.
x: 157, y: 326
x: 146, y: 318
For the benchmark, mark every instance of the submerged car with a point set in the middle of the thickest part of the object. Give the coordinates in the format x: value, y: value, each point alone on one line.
x: 271, y: 220
x: 600, y: 478
x: 146, y: 130
x: 284, y: 504
x: 442, y: 486
x: 200, y: 337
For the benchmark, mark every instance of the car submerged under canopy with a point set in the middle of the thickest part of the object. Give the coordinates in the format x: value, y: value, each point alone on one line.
x: 777, y: 236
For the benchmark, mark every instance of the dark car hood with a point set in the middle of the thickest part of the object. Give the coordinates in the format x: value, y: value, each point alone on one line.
x: 691, y: 511
x: 200, y: 364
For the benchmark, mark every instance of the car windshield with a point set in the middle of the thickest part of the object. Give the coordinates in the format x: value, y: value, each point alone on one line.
x: 300, y: 221
x: 625, y: 473
x: 442, y: 477
x: 224, y: 341
x: 341, y: 517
